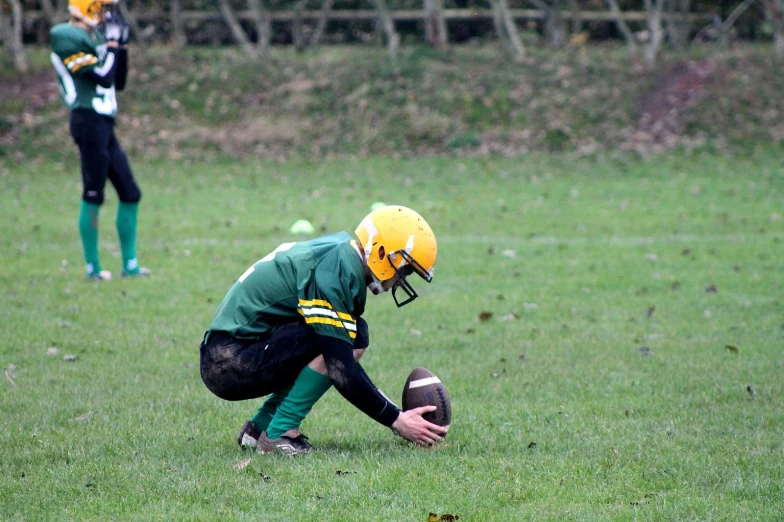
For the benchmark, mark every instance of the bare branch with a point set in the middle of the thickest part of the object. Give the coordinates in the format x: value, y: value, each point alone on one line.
x: 631, y: 44
x: 236, y: 29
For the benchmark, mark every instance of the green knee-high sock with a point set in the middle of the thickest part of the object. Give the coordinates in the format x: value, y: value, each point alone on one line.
x: 126, y: 228
x: 88, y: 230
x: 308, y: 388
x: 268, y: 408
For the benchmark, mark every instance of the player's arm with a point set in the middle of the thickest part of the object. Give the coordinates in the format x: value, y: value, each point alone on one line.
x: 121, y: 72
x: 104, y: 73
x: 353, y: 383
x: 87, y: 65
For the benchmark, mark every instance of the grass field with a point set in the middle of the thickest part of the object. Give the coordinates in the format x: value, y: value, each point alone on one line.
x: 610, y: 332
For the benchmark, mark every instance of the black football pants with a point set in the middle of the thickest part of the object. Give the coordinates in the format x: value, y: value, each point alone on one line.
x: 102, y: 158
x: 236, y: 369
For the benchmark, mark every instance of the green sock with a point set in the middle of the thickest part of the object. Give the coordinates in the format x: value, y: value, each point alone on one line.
x: 126, y: 229
x: 308, y: 388
x: 88, y: 230
x: 268, y: 408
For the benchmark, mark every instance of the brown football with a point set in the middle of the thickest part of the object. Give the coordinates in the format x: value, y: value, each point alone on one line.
x: 423, y: 388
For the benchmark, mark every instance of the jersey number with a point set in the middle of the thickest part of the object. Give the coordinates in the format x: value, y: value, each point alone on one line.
x: 105, y: 101
x: 268, y: 257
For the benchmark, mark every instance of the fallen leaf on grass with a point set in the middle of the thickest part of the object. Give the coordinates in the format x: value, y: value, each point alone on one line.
x: 239, y: 466
x: 485, y: 316
x: 52, y: 351
x: 8, y: 370
x: 732, y: 348
x: 510, y: 317
x: 531, y: 445
x: 643, y: 500
x: 69, y: 357
x: 711, y: 289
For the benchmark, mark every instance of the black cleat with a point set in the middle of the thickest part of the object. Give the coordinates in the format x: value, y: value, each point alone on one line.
x: 291, y: 443
x: 249, y: 435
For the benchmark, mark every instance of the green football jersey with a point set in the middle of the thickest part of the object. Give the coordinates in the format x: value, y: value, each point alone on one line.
x: 321, y: 281
x: 76, y: 52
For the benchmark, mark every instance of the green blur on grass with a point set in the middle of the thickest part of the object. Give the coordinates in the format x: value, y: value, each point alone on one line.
x: 600, y: 388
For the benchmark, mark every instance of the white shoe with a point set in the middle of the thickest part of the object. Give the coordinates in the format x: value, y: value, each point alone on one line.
x: 103, y: 275
x: 143, y: 272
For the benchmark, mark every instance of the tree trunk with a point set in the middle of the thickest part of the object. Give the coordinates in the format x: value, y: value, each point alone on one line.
x: 505, y: 27
x: 654, y: 19
x: 631, y: 43
x: 726, y: 26
x: 388, y: 26
x: 11, y: 32
x: 678, y: 25
x: 178, y: 27
x: 133, y: 23
x: 435, y: 25
x: 574, y: 14
x: 54, y: 12
x: 553, y: 23
x: 774, y: 12
x: 236, y: 29
x: 298, y: 27
x: 321, y: 26
x: 263, y: 24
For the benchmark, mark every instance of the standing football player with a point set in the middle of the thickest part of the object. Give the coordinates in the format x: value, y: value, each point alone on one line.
x: 290, y: 327
x: 90, y: 57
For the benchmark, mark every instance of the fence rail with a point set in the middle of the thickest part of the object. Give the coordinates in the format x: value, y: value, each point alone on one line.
x: 399, y: 15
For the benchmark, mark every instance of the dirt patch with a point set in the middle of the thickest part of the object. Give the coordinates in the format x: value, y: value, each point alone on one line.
x: 660, y: 126
x: 27, y: 96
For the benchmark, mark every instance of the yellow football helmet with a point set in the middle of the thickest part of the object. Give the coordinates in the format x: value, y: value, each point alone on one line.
x: 89, y: 11
x: 399, y: 241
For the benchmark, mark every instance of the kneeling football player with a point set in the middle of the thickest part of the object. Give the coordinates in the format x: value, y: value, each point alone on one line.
x: 290, y: 327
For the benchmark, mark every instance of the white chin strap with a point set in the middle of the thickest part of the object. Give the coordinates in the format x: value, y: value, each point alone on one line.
x: 375, y: 286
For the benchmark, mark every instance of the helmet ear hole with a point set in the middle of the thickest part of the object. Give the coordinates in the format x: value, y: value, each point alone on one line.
x: 381, y: 252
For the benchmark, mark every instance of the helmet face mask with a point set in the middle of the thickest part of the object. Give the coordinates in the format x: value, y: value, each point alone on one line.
x: 403, y: 271
x: 397, y: 243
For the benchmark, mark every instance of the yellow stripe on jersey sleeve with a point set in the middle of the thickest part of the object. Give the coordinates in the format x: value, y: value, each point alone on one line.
x: 79, y: 60
x: 346, y: 317
x: 315, y: 302
x: 331, y: 322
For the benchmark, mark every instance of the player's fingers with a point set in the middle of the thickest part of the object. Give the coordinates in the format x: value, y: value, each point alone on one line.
x: 424, y: 409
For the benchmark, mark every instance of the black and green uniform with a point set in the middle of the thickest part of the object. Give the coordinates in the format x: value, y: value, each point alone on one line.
x: 86, y: 69
x: 89, y: 73
x: 301, y: 300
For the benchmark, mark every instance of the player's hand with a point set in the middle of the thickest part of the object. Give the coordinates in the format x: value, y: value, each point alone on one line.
x: 411, y: 426
x: 115, y: 28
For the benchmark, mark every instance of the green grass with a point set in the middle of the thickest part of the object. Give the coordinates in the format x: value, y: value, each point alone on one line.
x: 607, y: 393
